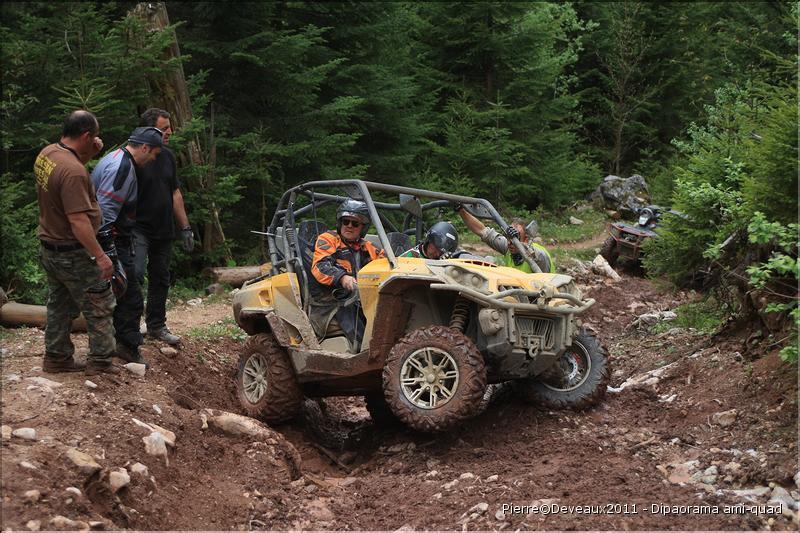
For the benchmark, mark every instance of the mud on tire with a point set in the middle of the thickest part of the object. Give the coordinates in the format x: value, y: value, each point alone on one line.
x: 454, y: 364
x: 266, y: 385
x: 609, y: 251
x: 578, y: 380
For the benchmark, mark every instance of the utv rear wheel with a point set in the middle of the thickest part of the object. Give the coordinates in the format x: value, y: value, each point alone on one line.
x: 265, y: 382
x: 434, y: 378
x: 609, y: 251
x: 577, y: 380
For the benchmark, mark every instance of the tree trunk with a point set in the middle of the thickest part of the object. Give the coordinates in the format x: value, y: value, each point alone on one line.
x: 14, y: 314
x: 168, y: 90
x: 236, y: 276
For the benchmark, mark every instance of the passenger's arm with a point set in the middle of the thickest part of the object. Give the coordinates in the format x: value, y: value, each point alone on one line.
x: 474, y: 225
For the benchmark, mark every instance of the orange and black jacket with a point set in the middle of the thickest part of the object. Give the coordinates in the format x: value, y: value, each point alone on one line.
x: 333, y: 258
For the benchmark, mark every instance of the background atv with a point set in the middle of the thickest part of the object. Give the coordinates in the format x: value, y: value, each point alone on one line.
x: 438, y: 331
x: 626, y: 240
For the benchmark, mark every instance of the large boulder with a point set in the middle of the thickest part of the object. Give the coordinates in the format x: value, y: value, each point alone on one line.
x: 626, y: 196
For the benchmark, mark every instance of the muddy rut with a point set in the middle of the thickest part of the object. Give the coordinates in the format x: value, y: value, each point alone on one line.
x: 656, y: 454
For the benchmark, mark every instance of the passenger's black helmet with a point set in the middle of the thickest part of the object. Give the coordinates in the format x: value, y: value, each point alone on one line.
x: 356, y: 209
x: 443, y: 235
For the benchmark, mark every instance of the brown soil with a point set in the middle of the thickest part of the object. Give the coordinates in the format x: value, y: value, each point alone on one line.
x: 384, y: 478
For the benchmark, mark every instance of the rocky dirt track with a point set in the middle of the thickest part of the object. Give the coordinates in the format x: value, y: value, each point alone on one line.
x: 690, y: 421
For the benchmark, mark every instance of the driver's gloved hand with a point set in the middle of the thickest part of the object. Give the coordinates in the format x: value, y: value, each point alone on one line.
x: 457, y: 207
x: 512, y: 233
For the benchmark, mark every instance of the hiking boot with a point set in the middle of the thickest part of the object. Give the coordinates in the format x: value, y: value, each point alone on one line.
x: 130, y: 355
x: 164, y: 335
x: 57, y: 366
x: 93, y: 369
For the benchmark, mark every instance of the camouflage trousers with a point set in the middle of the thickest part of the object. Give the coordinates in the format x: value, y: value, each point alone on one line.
x: 75, y: 287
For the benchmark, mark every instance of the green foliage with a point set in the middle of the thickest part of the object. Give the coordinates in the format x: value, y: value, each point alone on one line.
x: 705, y: 316
x: 556, y: 226
x: 221, y: 328
x: 22, y: 277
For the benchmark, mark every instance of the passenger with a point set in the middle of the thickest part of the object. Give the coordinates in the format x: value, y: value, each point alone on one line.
x: 338, y: 256
x: 440, y: 242
x: 502, y: 243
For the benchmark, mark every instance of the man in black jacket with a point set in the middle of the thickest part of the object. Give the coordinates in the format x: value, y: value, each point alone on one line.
x: 160, y: 200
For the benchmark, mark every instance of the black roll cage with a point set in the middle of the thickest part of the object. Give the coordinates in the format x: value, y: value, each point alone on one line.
x: 285, y: 215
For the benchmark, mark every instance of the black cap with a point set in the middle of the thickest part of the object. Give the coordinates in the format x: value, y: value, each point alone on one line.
x: 146, y: 135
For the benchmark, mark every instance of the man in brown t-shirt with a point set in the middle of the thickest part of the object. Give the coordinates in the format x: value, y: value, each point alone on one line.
x: 78, y: 271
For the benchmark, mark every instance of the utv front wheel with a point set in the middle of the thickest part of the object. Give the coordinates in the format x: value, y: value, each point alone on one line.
x: 265, y: 382
x: 609, y: 251
x: 577, y: 380
x: 434, y: 378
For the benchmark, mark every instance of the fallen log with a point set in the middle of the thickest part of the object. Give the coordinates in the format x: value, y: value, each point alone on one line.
x: 236, y: 276
x: 16, y: 314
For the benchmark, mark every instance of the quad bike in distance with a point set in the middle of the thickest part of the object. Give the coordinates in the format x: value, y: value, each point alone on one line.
x: 626, y: 240
x: 438, y: 332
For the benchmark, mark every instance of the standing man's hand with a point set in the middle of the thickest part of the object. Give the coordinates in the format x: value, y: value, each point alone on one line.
x: 349, y: 283
x: 97, y: 145
x: 187, y: 236
x: 106, y: 266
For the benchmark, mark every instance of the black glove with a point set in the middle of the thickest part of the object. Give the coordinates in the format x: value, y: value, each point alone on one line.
x: 188, y: 239
x: 457, y: 207
x: 512, y: 233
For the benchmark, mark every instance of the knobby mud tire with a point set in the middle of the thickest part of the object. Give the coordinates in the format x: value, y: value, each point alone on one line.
x: 282, y: 399
x: 467, y: 398
x: 609, y: 251
x: 587, y: 394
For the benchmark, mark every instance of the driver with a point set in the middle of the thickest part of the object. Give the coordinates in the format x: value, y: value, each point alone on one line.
x: 502, y: 243
x: 440, y: 242
x: 338, y: 256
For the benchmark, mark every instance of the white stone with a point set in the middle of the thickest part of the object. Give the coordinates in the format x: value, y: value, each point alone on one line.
x: 575, y: 221
x: 781, y: 495
x: 118, y: 479
x: 432, y: 473
x: 492, y: 479
x: 44, y: 382
x: 27, y: 465
x: 90, y: 384
x: 797, y: 479
x: 154, y: 444
x: 5, y: 432
x: 169, y: 351
x: 140, y: 470
x: 169, y: 436
x: 157, y: 409
x: 450, y: 485
x: 750, y: 494
x: 437, y: 496
x: 136, y: 368
x: 13, y: 378
x: 724, y: 418
x: 479, y: 508
x: 25, y: 433
x: 75, y: 491
x: 33, y: 525
x: 467, y: 475
x: 63, y: 523
x: 194, y: 302
x: 32, y: 496
x: 85, y: 463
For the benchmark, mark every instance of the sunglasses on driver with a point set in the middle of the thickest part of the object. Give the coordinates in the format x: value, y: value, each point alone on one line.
x: 351, y: 222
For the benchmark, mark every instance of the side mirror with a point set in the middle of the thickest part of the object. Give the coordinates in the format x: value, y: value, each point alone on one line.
x: 411, y: 204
